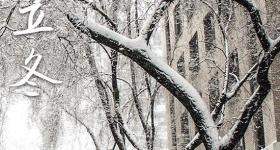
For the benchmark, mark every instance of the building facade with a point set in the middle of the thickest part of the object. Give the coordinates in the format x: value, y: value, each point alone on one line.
x: 195, y: 47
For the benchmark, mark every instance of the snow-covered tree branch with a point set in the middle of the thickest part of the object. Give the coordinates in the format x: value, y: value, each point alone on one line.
x: 138, y: 50
x: 145, y: 75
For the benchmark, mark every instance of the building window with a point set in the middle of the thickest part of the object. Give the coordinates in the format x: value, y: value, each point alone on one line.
x: 173, y: 122
x: 185, y: 131
x: 194, y: 65
x: 167, y: 38
x: 233, y: 68
x: 181, y: 65
x: 213, y: 89
x: 177, y: 20
x: 209, y: 32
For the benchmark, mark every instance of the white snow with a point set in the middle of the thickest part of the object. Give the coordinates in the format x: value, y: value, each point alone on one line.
x: 19, y: 131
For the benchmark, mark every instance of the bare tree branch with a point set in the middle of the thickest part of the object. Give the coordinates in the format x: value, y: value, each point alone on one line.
x: 195, y: 142
x: 257, y: 21
x: 97, y: 146
x: 130, y: 137
x: 255, y: 101
x: 240, y: 83
x: 5, y: 26
x: 149, y: 26
x: 139, y: 52
x: 103, y: 95
x: 102, y: 13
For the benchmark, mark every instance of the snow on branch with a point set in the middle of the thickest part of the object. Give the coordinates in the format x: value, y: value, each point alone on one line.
x: 238, y: 85
x: 195, y: 142
x: 238, y: 130
x: 271, y: 49
x: 101, y: 33
x: 254, y: 102
x: 277, y: 41
x: 101, y: 12
x: 139, y: 52
x: 106, y: 105
x: 257, y: 22
x: 150, y: 25
x: 276, y: 45
x: 104, y: 97
x: 225, y: 97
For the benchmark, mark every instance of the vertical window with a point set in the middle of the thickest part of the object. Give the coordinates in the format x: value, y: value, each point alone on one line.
x: 185, y: 131
x: 213, y: 89
x: 194, y: 65
x: 209, y: 32
x: 181, y: 65
x: 233, y: 68
x: 173, y: 122
x: 254, y: 55
x: 167, y: 38
x: 177, y: 20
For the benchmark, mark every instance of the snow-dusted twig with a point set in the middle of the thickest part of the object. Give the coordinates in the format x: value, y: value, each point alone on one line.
x: 235, y: 77
x: 135, y: 98
x: 252, y: 105
x: 104, y: 97
x: 225, y: 42
x: 271, y: 49
x: 152, y: 21
x: 227, y: 64
x: 97, y: 145
x: 101, y: 12
x: 257, y: 22
x: 131, y: 137
x: 220, y: 105
x: 254, y: 102
x: 7, y: 20
x: 240, y: 83
x: 276, y: 41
